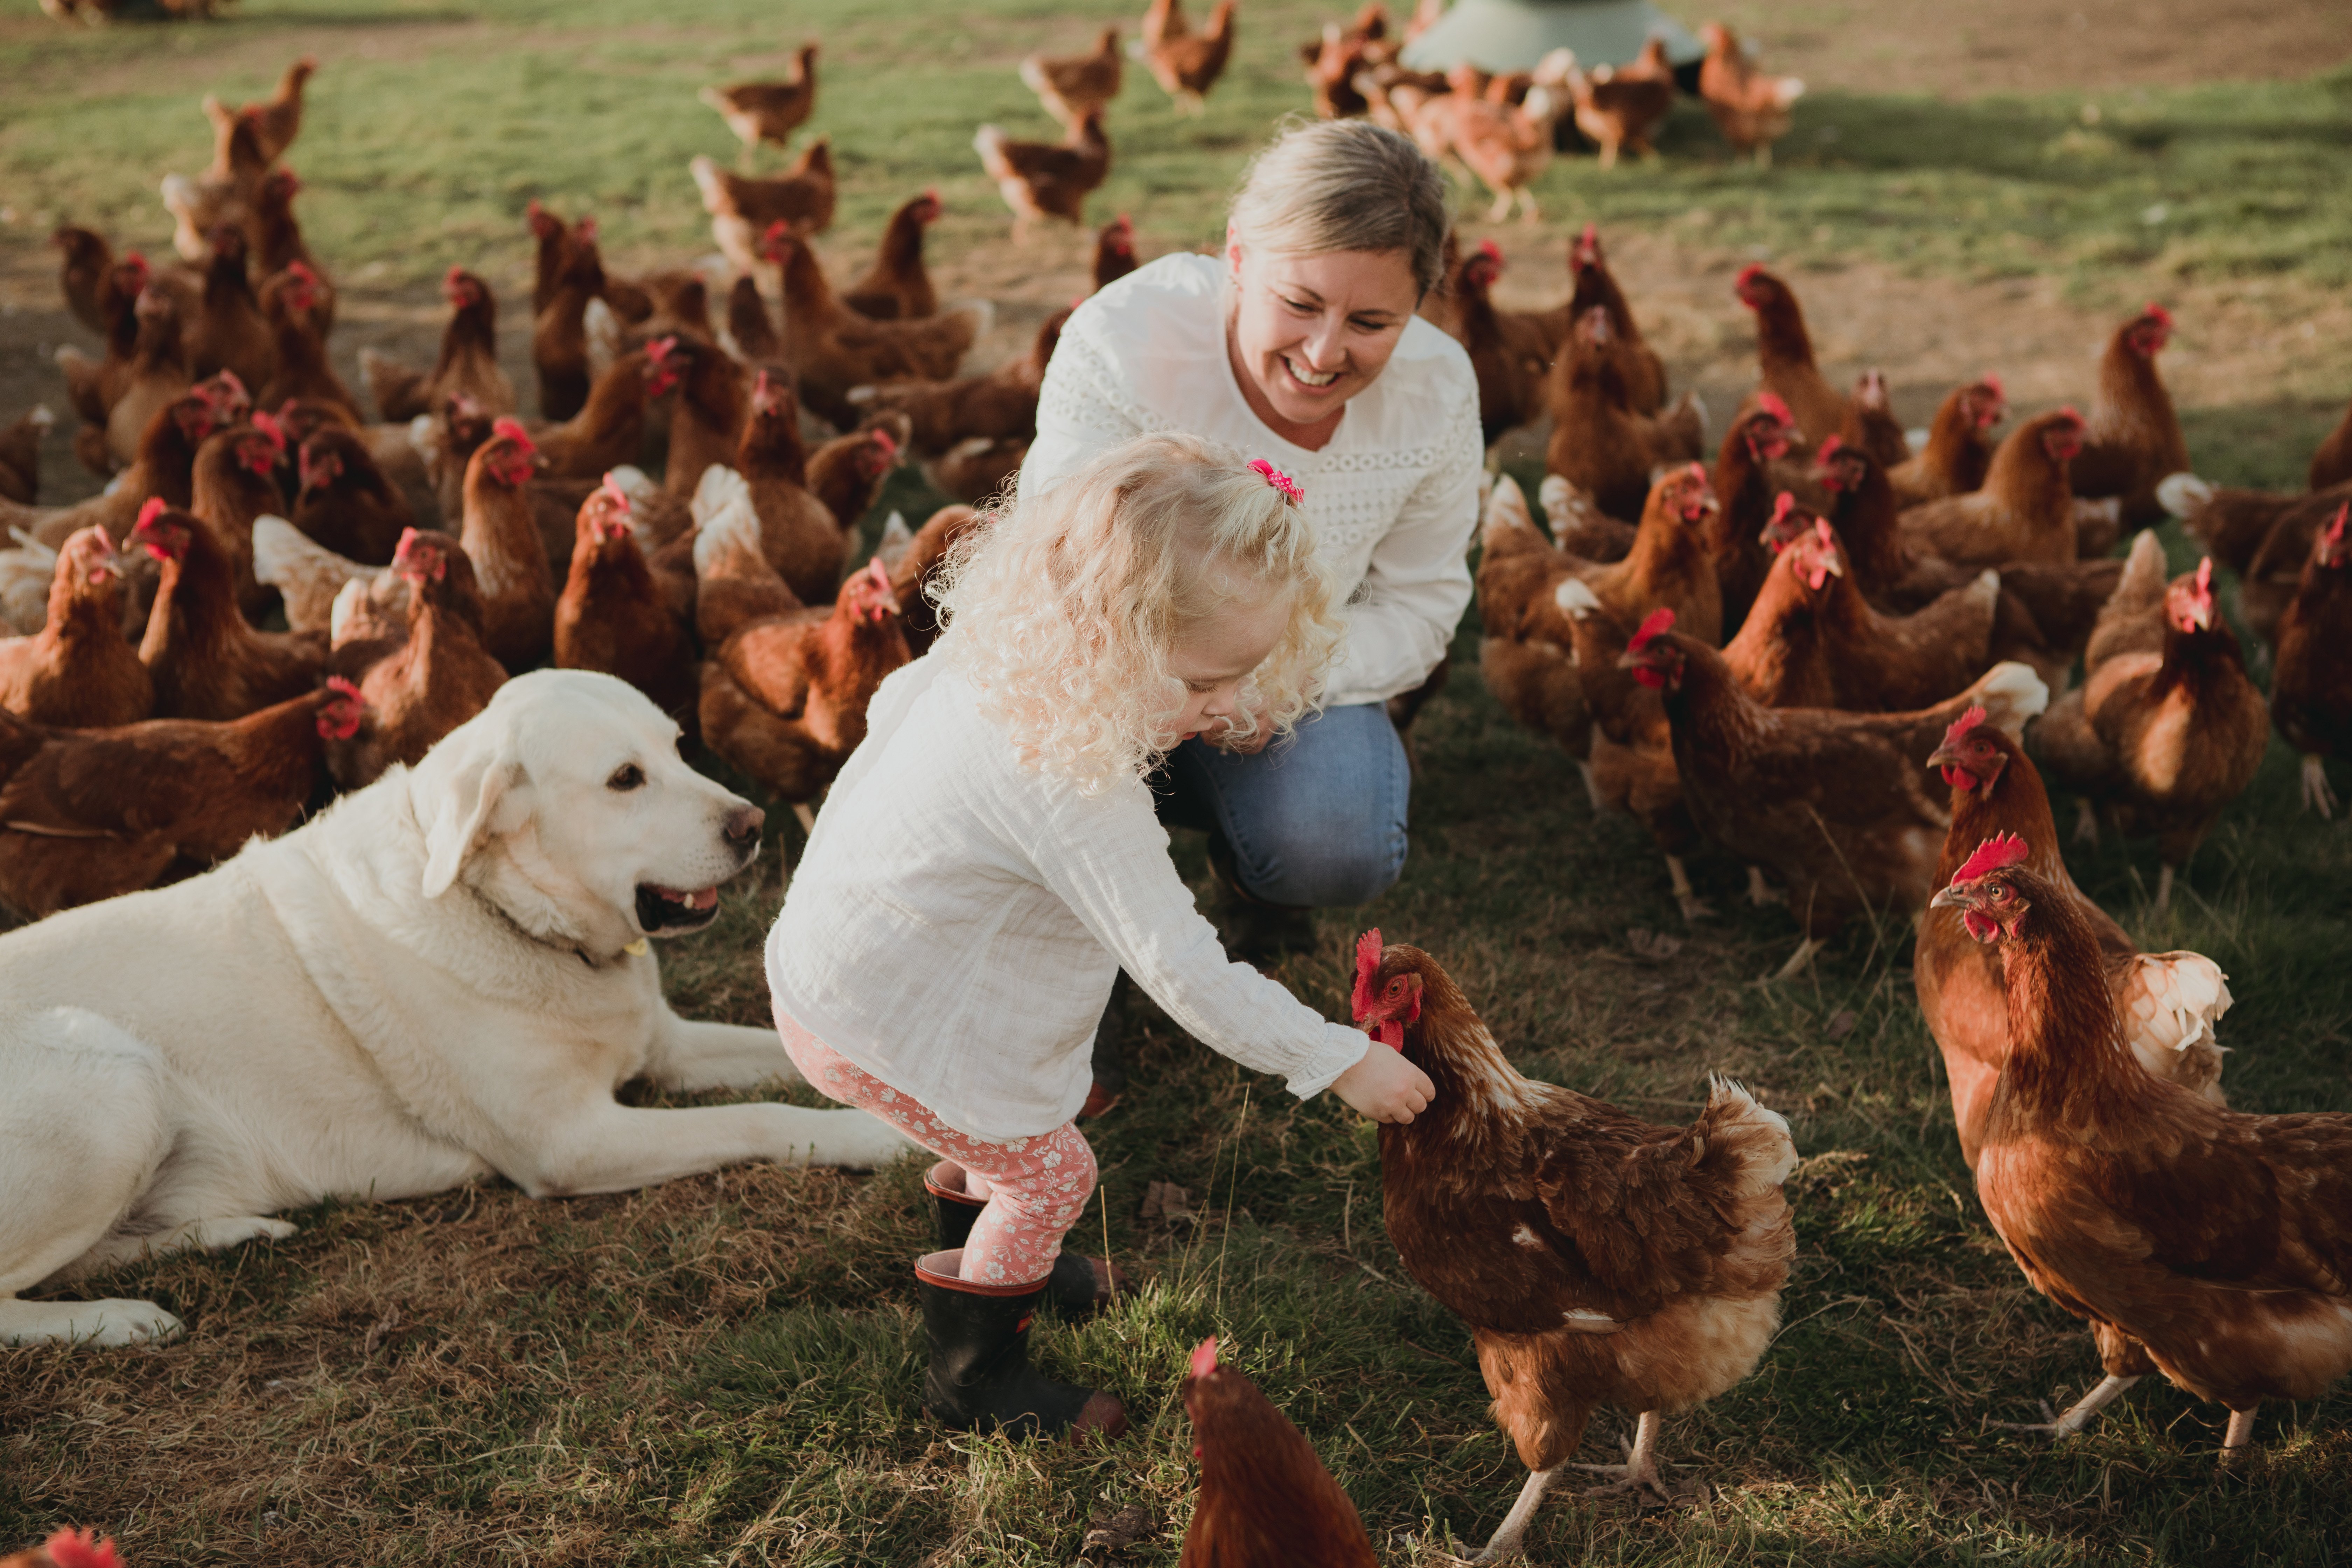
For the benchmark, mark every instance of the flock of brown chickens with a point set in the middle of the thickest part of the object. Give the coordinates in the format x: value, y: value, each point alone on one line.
x: 1505, y: 127
x: 1817, y: 649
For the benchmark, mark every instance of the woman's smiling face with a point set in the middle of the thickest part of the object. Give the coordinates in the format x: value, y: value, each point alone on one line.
x: 1310, y: 332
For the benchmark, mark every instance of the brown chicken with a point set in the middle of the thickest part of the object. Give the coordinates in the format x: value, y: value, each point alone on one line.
x: 1507, y: 349
x: 897, y: 288
x: 1669, y: 565
x: 1187, y: 64
x: 2023, y: 512
x: 784, y: 697
x: 1595, y: 1257
x: 613, y: 616
x: 742, y: 209
x: 296, y: 302
x: 1043, y: 180
x: 1747, y: 502
x: 502, y: 541
x: 706, y: 422
x: 734, y: 583
x: 440, y: 676
x: 570, y: 276
x: 2133, y: 439
x: 1069, y: 85
x: 606, y: 433
x: 20, y: 454
x: 2203, y: 1243
x: 2272, y: 573
x: 761, y: 111
x: 277, y: 121
x: 1832, y: 801
x: 2166, y: 730
x: 1265, y: 1498
x: 2311, y: 679
x: 205, y: 661
x: 1597, y: 440
x: 1526, y: 652
x: 833, y: 348
x: 1784, y: 360
x: 1507, y: 145
x: 1959, y: 446
x: 167, y: 457
x: 79, y: 672
x: 277, y: 237
x: 224, y: 192
x: 469, y: 365
x: 1594, y: 284
x: 1812, y: 641
x: 87, y: 815
x: 93, y: 386
x: 798, y: 535
x: 1618, y: 106
x: 1750, y: 109
x: 2235, y: 525
x: 88, y: 278
x: 228, y: 331
x: 153, y: 377
x: 346, y: 504
x: 914, y: 568
x: 2169, y: 1002
x: 235, y: 483
x: 1000, y: 404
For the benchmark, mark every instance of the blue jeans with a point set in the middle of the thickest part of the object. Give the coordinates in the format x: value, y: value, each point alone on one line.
x: 1314, y: 820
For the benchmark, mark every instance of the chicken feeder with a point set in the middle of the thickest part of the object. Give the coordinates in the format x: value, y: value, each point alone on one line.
x: 1513, y: 35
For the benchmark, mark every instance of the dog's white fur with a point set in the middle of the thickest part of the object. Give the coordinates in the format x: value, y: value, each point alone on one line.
x: 427, y: 984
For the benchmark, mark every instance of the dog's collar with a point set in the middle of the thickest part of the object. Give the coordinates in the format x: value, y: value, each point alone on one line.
x: 637, y: 948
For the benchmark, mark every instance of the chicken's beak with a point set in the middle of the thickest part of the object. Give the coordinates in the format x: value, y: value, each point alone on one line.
x: 1948, y: 899
x: 1943, y: 757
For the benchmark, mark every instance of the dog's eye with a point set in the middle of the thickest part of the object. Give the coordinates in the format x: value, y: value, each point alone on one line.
x: 626, y: 777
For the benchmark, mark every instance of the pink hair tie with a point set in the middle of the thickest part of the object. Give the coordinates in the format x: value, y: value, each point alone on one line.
x: 1278, y: 480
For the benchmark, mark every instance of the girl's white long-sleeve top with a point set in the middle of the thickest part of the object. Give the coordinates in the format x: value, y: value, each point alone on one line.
x: 1393, y: 496
x: 957, y: 920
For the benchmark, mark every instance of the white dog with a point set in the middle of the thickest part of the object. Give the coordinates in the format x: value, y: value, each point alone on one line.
x: 443, y: 976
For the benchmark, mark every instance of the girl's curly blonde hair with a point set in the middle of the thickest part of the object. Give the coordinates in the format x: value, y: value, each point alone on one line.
x: 1063, y: 608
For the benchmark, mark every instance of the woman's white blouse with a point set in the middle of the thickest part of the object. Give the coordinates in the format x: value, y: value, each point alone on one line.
x: 959, y: 917
x: 1393, y: 496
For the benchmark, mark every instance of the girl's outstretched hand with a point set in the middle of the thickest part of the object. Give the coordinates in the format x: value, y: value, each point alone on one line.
x: 1384, y: 1085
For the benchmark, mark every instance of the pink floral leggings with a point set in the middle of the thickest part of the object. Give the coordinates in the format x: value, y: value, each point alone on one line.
x: 1036, y: 1187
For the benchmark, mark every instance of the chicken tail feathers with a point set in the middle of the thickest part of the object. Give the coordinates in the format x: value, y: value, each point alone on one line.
x: 2170, y: 1003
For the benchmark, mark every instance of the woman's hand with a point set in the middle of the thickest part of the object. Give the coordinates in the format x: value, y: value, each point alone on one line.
x: 1384, y: 1085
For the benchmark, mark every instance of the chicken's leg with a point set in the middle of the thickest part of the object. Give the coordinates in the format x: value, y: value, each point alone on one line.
x: 1693, y: 907
x: 1640, y: 1470
x: 2316, y: 795
x: 1762, y: 893
x: 2239, y: 1436
x: 2163, y: 890
x: 2078, y: 1414
x: 1508, y: 1535
x: 1799, y: 960
x: 2086, y: 822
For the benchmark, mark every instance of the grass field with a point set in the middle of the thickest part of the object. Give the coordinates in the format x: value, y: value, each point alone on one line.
x: 724, y: 1370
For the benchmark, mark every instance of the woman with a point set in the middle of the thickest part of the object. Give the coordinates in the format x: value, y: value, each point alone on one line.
x: 1301, y: 344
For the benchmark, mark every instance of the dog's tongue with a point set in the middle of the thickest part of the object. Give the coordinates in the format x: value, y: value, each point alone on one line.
x: 702, y: 899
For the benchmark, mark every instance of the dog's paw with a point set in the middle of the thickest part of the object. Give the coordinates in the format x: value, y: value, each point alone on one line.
x: 220, y: 1234
x: 104, y: 1324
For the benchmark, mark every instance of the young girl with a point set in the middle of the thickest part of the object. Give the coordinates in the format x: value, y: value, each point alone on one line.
x: 989, y: 861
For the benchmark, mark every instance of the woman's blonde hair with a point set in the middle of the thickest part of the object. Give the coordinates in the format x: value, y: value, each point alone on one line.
x: 1064, y: 605
x: 1346, y: 184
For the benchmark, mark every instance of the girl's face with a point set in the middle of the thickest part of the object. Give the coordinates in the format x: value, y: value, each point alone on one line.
x: 1311, y: 332
x: 1217, y: 657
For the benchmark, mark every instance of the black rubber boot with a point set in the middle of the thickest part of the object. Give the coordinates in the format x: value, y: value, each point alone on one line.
x: 1078, y: 1288
x: 1257, y: 930
x: 979, y: 1377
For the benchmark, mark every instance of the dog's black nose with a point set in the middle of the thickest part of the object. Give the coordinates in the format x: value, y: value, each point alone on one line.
x: 742, y: 829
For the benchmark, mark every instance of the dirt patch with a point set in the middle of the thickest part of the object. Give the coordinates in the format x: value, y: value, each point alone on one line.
x: 2042, y: 46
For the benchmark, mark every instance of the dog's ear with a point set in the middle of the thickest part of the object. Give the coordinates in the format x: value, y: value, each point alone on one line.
x: 469, y: 791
